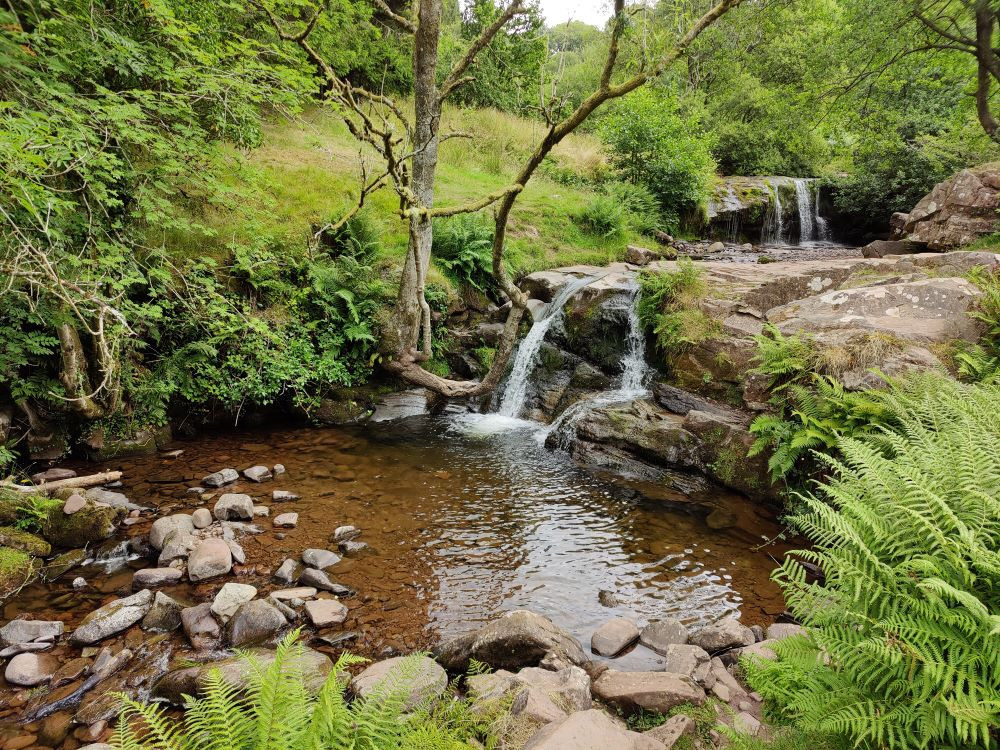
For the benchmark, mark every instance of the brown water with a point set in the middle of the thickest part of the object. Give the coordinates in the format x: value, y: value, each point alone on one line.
x: 461, y: 526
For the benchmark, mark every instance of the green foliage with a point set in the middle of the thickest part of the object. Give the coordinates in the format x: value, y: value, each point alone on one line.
x: 783, y: 359
x: 902, y: 642
x: 981, y: 361
x: 463, y: 247
x: 644, y: 720
x: 668, y: 307
x: 604, y: 216
x: 277, y: 713
x: 814, y: 419
x: 650, y: 143
x: 642, y: 211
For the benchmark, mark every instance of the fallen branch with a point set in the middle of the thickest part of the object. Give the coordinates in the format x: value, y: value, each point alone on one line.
x: 91, y: 480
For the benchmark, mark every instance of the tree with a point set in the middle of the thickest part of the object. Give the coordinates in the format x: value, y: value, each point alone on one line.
x: 408, y: 150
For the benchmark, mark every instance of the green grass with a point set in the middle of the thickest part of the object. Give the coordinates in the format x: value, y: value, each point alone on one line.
x: 307, y: 172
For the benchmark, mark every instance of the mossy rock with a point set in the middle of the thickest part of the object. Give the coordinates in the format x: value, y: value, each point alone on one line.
x: 92, y: 523
x: 9, y: 505
x: 16, y: 569
x: 63, y: 563
x: 24, y: 541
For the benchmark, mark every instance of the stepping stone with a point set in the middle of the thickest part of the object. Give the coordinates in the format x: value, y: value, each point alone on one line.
x: 725, y: 634
x: 323, y: 613
x: 286, y: 521
x: 230, y: 598
x: 320, y: 558
x: 300, y: 592
x: 660, y: 634
x: 320, y: 580
x: 151, y: 577
x: 614, y: 636
x: 210, y: 559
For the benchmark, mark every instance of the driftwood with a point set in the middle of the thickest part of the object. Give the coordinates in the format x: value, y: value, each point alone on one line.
x: 91, y: 480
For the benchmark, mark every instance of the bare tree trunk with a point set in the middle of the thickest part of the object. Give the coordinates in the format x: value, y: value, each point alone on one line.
x: 413, y: 310
x: 984, y: 58
x: 74, y: 375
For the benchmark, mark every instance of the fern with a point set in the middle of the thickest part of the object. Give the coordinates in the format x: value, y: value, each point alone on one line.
x: 902, y: 646
x: 276, y: 712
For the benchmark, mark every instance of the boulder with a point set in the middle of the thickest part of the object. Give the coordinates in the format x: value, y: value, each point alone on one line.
x: 53, y: 474
x: 255, y: 623
x: 24, y: 631
x: 220, y: 478
x: 257, y: 473
x: 725, y: 634
x: 112, y: 618
x: 323, y: 613
x: 650, y: 691
x: 230, y: 598
x: 234, y: 507
x: 24, y: 541
x: 569, y: 687
x: 684, y: 658
x: 513, y: 640
x: 425, y: 677
x: 661, y: 634
x: 152, y: 577
x: 614, y: 636
x: 92, y: 523
x: 178, y: 547
x: 583, y: 730
x: 164, y: 616
x: 881, y: 248
x: 211, y: 558
x: 30, y: 669
x: 320, y: 558
x: 639, y: 256
x: 201, y: 627
x: 168, y: 526
x: 175, y: 684
x: 957, y: 211
x: 320, y: 580
x: 779, y: 630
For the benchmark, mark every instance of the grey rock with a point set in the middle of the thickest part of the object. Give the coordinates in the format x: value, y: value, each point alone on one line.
x: 345, y: 533
x: 257, y: 473
x: 261, y: 511
x: 112, y: 618
x: 283, y: 496
x: 114, y: 499
x: 289, y: 571
x: 278, y: 469
x: 320, y: 580
x: 165, y: 614
x: 230, y: 598
x: 724, y: 634
x: 30, y: 669
x: 583, y: 730
x: 652, y: 691
x: 74, y: 504
x: 513, y: 640
x: 239, y: 556
x: 22, y: 648
x: 660, y: 634
x: 79, y: 582
x: 220, y: 478
x: 234, y: 506
x: 210, y: 559
x: 53, y: 474
x: 164, y: 528
x: 426, y: 678
x: 682, y: 658
x: 201, y: 627
x: 614, y: 636
x: 178, y: 548
x: 25, y: 631
x: 202, y: 518
x: 320, y: 558
x: 569, y: 686
x: 301, y: 592
x: 286, y: 521
x: 152, y: 577
x: 746, y: 723
x: 352, y: 547
x: 254, y: 623
x: 780, y: 630
x: 323, y: 613
x: 670, y: 732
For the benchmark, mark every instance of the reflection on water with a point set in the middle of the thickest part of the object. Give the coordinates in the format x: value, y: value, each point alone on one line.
x: 461, y: 526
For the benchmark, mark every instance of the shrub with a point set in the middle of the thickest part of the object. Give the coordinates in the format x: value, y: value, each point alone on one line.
x: 604, y: 216
x: 668, y: 307
x: 902, y: 646
x: 642, y: 211
x: 277, y: 713
x: 651, y: 144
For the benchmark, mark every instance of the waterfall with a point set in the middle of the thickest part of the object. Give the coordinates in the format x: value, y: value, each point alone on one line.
x: 822, y: 229
x: 512, y: 403
x: 774, y: 225
x: 631, y: 383
x: 803, y: 197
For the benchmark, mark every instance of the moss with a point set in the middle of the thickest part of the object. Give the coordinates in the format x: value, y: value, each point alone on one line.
x: 25, y: 541
x: 485, y: 355
x: 16, y: 568
x: 93, y: 523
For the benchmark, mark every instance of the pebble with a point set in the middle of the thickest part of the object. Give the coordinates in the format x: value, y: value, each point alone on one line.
x: 257, y: 473
x: 346, y: 533
x: 320, y: 580
x: 286, y: 521
x: 79, y: 582
x: 283, y: 496
x: 278, y: 469
x: 261, y: 511
x: 287, y: 572
x: 219, y: 478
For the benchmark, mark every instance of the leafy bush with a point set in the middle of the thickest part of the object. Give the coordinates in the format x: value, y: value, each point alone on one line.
x: 277, y: 713
x: 668, y: 307
x: 641, y: 206
x: 604, y: 216
x: 902, y: 645
x: 651, y: 144
x: 463, y: 247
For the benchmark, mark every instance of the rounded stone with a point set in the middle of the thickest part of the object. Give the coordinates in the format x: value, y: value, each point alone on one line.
x: 30, y: 669
x: 210, y: 559
x: 202, y: 518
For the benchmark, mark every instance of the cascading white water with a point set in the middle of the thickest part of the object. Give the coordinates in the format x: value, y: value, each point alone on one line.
x: 631, y: 383
x: 512, y: 403
x: 822, y: 228
x: 774, y: 223
x: 803, y: 197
